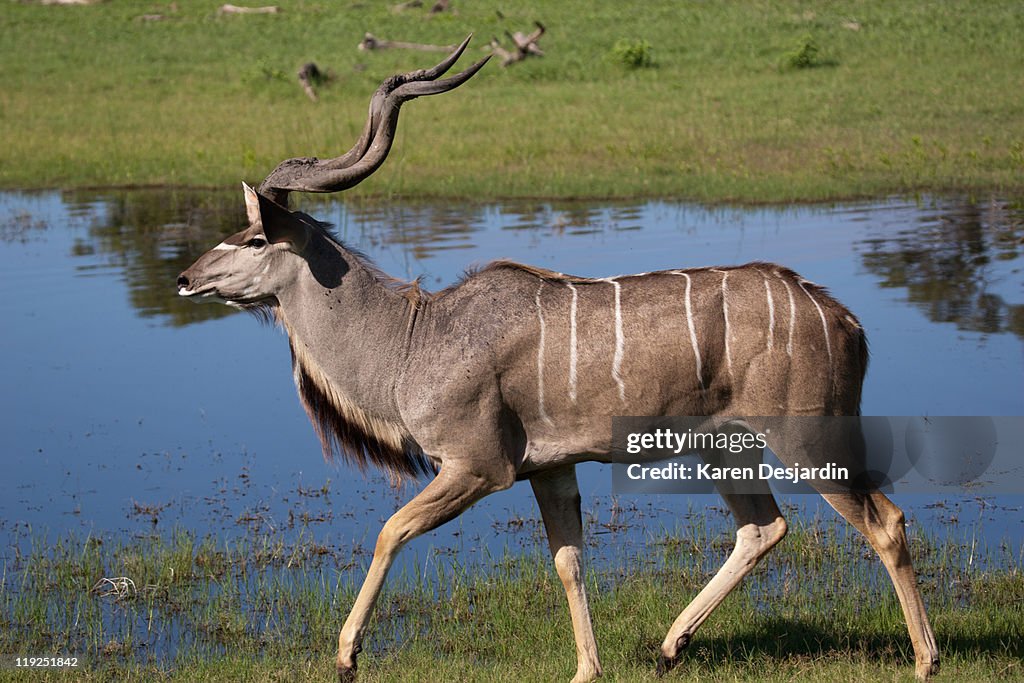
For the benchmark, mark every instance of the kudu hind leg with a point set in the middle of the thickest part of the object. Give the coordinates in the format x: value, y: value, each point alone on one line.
x: 883, y: 523
x: 443, y: 499
x: 759, y: 527
x: 558, y: 497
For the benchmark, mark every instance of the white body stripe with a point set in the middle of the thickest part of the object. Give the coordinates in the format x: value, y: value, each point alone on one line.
x: 792, y: 315
x: 693, y: 330
x: 824, y: 324
x: 771, y: 313
x: 572, y: 343
x: 725, y: 318
x: 540, y: 360
x: 620, y: 342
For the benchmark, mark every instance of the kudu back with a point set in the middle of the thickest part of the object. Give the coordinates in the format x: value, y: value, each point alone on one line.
x: 516, y: 372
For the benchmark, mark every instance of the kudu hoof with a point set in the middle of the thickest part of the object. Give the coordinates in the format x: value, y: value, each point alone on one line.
x: 666, y: 664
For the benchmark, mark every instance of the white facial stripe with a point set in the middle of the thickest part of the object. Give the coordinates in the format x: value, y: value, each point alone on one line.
x: 224, y: 246
x: 250, y: 289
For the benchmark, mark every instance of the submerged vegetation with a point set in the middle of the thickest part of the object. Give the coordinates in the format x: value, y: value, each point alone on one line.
x: 918, y: 96
x: 820, y: 607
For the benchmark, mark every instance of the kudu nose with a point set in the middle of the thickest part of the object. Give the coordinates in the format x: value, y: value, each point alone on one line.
x: 182, y: 281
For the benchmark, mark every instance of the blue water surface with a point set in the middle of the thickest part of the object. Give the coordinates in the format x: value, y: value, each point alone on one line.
x: 127, y: 411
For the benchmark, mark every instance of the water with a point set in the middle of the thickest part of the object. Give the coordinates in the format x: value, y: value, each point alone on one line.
x: 128, y: 411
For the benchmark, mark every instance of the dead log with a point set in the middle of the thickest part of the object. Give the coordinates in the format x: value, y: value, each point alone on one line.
x: 235, y: 9
x: 523, y: 46
x: 372, y: 42
x: 436, y: 8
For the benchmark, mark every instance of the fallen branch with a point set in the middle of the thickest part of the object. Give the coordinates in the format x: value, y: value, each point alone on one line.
x: 372, y: 42
x: 524, y: 46
x: 235, y: 9
x: 436, y: 8
x: 120, y: 587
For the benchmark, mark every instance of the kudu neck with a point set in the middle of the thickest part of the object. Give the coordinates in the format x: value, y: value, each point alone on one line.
x: 341, y: 317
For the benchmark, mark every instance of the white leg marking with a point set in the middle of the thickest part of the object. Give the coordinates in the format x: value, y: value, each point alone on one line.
x: 619, y: 341
x: 771, y: 312
x: 540, y: 360
x: 792, y: 315
x: 572, y: 344
x: 693, y: 331
x: 725, y: 317
x: 824, y: 325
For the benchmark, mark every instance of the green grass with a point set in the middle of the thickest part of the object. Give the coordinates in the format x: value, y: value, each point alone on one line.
x: 755, y: 101
x: 819, y: 608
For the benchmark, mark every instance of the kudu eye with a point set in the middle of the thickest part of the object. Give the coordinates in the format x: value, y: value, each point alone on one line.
x: 256, y: 243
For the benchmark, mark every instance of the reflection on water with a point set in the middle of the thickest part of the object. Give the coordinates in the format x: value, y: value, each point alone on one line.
x: 134, y: 406
x: 958, y: 260
x: 951, y: 260
x: 151, y: 236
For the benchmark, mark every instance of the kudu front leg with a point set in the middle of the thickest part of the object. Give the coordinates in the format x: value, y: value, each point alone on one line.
x: 559, y: 499
x: 443, y: 499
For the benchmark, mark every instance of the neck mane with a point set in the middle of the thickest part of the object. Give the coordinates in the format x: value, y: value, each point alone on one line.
x: 345, y: 428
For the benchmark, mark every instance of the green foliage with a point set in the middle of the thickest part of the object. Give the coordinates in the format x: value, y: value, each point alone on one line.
x: 1017, y: 152
x: 632, y: 54
x: 265, y: 609
x: 94, y: 96
x: 805, y: 55
x: 269, y: 71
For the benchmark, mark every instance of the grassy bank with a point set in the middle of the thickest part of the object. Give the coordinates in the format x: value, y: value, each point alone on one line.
x: 819, y: 608
x: 775, y: 101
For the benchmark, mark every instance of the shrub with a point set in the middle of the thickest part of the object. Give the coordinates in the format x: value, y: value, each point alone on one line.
x: 805, y: 55
x: 632, y: 54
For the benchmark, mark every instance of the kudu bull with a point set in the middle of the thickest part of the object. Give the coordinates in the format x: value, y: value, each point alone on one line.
x: 515, y: 373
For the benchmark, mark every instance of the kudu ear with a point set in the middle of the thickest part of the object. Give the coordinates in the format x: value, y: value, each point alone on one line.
x: 252, y: 203
x: 279, y: 224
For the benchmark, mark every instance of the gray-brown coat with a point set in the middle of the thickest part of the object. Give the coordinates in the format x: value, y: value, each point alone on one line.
x: 516, y: 372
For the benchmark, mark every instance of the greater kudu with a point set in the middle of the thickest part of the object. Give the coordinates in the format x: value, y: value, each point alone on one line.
x: 515, y: 373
